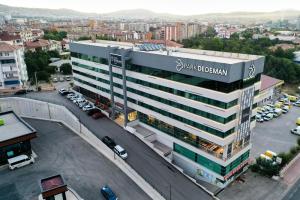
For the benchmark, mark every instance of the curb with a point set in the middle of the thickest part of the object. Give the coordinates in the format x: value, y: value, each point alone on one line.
x: 178, y: 168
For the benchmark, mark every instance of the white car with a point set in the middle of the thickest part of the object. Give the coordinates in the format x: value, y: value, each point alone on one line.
x: 259, y: 118
x: 78, y: 100
x: 19, y: 161
x: 268, y: 117
x: 120, y: 152
x: 296, y: 131
x: 297, y: 103
x: 82, y: 104
x: 69, y: 96
x: 88, y: 107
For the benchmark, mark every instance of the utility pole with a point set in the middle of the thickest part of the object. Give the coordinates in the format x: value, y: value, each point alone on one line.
x: 36, y: 83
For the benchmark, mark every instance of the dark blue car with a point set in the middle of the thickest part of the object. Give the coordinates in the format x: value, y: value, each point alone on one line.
x: 108, y: 193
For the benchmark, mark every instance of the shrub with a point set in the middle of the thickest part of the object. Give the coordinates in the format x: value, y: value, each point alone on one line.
x: 294, y: 150
x: 255, y: 168
x: 298, y: 141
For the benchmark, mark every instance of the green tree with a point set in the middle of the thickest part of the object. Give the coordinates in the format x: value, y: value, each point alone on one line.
x: 66, y: 68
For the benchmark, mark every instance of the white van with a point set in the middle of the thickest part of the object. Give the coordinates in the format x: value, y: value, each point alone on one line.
x: 19, y: 161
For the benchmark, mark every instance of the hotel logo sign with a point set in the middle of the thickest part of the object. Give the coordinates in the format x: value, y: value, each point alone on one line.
x: 199, y: 68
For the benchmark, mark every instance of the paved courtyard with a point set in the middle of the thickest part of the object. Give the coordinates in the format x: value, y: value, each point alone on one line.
x: 60, y: 151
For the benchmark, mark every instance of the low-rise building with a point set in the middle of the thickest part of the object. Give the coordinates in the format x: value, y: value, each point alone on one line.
x: 13, y: 70
x: 269, y: 90
x: 15, y: 136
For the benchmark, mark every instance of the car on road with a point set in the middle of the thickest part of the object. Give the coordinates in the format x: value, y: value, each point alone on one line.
x: 120, y: 151
x: 98, y: 115
x: 296, y: 131
x: 107, y: 193
x: 19, y: 161
x: 109, y: 142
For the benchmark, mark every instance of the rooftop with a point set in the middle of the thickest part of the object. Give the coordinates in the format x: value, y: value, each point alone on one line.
x: 5, y: 36
x: 4, y: 47
x: 213, y: 56
x: 268, y: 81
x: 37, y: 43
x: 13, y: 126
x: 52, y: 183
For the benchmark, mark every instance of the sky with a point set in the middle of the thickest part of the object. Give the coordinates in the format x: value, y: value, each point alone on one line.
x: 180, y: 7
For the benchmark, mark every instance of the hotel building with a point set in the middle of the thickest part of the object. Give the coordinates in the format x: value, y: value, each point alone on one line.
x: 200, y: 104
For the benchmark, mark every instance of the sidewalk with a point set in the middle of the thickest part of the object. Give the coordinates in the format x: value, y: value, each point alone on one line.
x: 293, y: 173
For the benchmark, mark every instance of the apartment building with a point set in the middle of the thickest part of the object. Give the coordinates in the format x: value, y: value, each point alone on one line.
x: 13, y: 72
x: 201, y: 104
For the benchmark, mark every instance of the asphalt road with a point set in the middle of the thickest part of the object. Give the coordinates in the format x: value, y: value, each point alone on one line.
x: 159, y: 173
x: 60, y: 151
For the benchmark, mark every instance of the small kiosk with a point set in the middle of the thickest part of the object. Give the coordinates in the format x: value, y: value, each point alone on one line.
x: 54, y: 188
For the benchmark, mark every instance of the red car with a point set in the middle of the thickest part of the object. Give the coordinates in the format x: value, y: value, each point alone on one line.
x: 98, y: 115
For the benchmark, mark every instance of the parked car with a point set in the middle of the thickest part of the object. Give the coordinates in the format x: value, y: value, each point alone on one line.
x: 68, y: 78
x: 268, y: 117
x: 296, y: 131
x: 109, y: 142
x: 54, y: 80
x: 79, y: 100
x: 64, y: 92
x: 72, y: 94
x: 19, y: 161
x: 98, y: 115
x: 285, y: 109
x: 92, y: 111
x: 61, y: 79
x: 120, y: 151
x: 297, y: 104
x: 88, y: 107
x: 277, y: 112
x: 108, y: 194
x: 298, y: 121
x: 259, y: 118
x: 82, y: 104
x: 20, y: 92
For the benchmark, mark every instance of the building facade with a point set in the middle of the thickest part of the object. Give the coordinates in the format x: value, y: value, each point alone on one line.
x: 13, y: 70
x: 201, y: 104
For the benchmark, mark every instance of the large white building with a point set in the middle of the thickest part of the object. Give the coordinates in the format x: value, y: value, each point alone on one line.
x: 200, y: 104
x: 13, y: 71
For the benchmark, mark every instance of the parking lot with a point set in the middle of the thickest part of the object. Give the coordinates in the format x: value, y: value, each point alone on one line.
x: 275, y: 135
x: 60, y: 151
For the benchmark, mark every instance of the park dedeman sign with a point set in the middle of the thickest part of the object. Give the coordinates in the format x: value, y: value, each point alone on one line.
x: 181, y: 65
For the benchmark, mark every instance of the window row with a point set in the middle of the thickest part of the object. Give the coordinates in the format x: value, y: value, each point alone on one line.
x: 165, y: 101
x: 209, y: 164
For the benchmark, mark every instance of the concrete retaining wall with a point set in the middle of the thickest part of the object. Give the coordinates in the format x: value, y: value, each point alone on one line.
x: 46, y: 111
